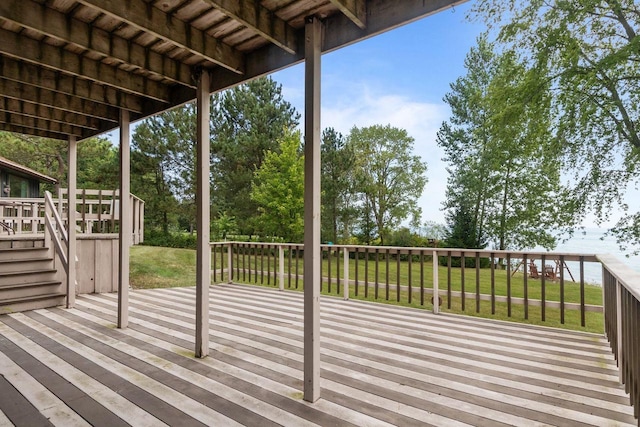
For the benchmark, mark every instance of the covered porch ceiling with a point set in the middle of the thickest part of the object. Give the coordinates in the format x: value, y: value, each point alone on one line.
x: 67, y: 67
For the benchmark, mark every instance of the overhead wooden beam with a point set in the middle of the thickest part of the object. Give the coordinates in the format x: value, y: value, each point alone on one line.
x: 41, y: 124
x: 36, y: 52
x: 29, y: 109
x: 382, y: 16
x: 339, y: 32
x: 355, y: 10
x: 19, y: 91
x: 152, y: 20
x: 33, y: 132
x: 261, y: 20
x: 38, y: 17
x: 53, y: 80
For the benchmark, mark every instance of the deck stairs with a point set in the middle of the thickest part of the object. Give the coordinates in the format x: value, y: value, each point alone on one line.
x: 29, y: 279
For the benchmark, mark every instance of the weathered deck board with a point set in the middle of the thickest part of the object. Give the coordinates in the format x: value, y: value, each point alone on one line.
x: 381, y: 365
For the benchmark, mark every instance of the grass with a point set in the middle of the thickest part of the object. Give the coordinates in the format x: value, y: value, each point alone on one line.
x: 153, y: 267
x: 158, y: 267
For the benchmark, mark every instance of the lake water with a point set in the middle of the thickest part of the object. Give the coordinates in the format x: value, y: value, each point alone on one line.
x: 594, y: 241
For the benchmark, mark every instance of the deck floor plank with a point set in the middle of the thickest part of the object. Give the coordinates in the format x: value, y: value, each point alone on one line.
x: 381, y: 365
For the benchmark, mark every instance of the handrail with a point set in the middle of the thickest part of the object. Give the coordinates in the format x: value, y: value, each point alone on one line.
x: 97, y: 213
x: 621, y: 291
x: 58, y: 231
x: 543, y: 294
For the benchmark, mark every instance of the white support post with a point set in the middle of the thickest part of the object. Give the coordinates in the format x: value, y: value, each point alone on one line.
x: 619, y: 328
x: 281, y: 266
x: 72, y: 174
x: 203, y: 201
x: 436, y: 288
x: 312, y: 251
x: 124, y: 229
x: 345, y: 277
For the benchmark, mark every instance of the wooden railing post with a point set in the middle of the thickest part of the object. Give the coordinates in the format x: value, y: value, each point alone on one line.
x: 436, y: 292
x: 281, y: 267
x: 230, y: 262
x: 619, y: 328
x: 47, y: 214
x: 345, y: 285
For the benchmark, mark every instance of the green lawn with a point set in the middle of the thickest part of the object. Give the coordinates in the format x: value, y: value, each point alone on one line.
x: 153, y: 267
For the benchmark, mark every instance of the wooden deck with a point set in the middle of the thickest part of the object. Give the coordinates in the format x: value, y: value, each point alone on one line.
x: 381, y: 365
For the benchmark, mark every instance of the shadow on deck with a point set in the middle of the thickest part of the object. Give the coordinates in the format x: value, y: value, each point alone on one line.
x: 381, y: 365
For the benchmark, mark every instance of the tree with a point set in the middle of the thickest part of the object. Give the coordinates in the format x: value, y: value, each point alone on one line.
x: 388, y: 177
x: 337, y: 187
x: 502, y: 158
x: 97, y: 159
x: 247, y: 122
x: 278, y: 190
x: 163, y: 166
x: 462, y: 232
x: 462, y: 229
x: 589, y: 52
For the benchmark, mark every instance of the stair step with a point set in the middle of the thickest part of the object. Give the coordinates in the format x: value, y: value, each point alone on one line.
x: 19, y: 253
x: 27, y: 276
x: 34, y: 302
x: 30, y: 284
x: 23, y: 260
x: 26, y: 272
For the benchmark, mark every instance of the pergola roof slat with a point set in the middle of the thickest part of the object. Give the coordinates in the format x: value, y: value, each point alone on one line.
x: 30, y: 109
x: 55, y: 24
x: 60, y: 59
x: 153, y: 20
x: 81, y: 88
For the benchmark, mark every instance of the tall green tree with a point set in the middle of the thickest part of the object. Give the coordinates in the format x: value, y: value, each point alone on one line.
x: 338, y: 211
x: 589, y: 52
x: 247, y: 121
x: 502, y: 157
x: 278, y: 190
x: 387, y: 175
x: 163, y: 166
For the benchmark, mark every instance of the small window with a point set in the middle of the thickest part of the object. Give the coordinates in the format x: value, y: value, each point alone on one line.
x: 19, y: 186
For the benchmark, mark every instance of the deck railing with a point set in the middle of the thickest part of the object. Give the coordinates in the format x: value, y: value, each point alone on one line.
x: 529, y: 285
x: 519, y: 285
x: 621, y: 293
x: 97, y: 212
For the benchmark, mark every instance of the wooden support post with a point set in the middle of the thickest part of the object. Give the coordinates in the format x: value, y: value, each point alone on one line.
x: 203, y: 256
x: 124, y: 232
x: 345, y: 286
x: 72, y: 174
x: 312, y: 251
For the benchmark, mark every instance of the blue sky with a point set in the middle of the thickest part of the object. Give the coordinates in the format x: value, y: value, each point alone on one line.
x: 397, y: 78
